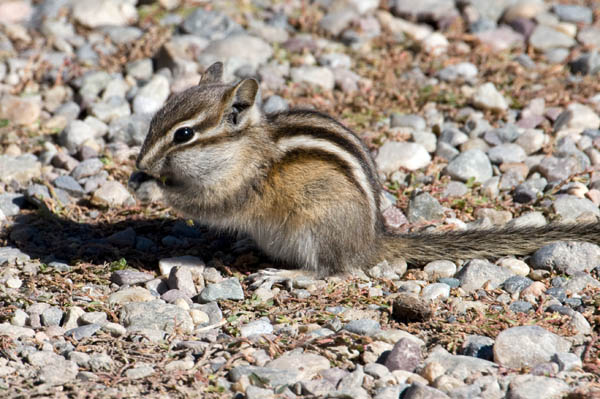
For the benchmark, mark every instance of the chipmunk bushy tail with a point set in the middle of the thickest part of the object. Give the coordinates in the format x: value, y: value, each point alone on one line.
x: 419, y: 248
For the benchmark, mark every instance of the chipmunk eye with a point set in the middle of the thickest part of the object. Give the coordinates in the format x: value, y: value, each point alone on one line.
x: 183, y: 134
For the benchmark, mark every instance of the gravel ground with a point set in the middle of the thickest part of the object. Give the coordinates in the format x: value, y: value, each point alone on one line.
x: 479, y: 113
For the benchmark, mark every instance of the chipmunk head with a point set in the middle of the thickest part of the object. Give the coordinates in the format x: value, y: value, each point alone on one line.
x: 196, y: 137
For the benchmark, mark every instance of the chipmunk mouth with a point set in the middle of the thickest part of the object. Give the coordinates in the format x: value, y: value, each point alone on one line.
x: 137, y: 178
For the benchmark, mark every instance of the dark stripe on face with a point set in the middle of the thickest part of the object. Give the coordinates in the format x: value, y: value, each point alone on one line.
x: 316, y: 154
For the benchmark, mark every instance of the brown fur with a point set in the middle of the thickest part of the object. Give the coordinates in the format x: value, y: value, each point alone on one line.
x: 301, y: 184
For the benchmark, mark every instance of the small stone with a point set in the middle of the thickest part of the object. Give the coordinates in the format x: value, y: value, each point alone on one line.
x: 275, y: 104
x: 257, y: 327
x: 166, y: 264
x: 516, y: 284
x: 440, y: 269
x: 152, y: 96
x: 533, y: 387
x: 70, y: 185
x: 413, y: 121
x: 10, y: 204
x: 227, y: 289
x: 114, y: 329
x: 464, y: 70
x: 394, y: 155
x: 111, y: 109
x: 93, y: 13
x: 567, y: 257
x: 516, y: 266
x: 72, y: 317
x: 471, y: 163
x: 112, y: 194
x: 180, y: 278
x: 82, y: 332
x: 51, y: 316
x: 22, y: 168
x: 478, y: 272
x: 478, y: 346
x: 545, y: 38
x: 99, y: 318
x: 424, y: 207
x: 488, y: 97
x: 15, y: 332
x: 318, y: 76
x: 535, y: 346
x: 247, y: 49
x: 133, y: 294
x: 435, y: 291
x: 155, y: 315
x: 507, y: 153
x: 130, y: 277
x: 366, y: 327
x: 87, y: 168
x: 210, y: 24
x: 20, y: 110
x: 573, y: 13
x: 139, y: 371
x: 520, y: 307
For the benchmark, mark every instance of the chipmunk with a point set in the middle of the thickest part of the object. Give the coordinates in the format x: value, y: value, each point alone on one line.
x: 298, y: 182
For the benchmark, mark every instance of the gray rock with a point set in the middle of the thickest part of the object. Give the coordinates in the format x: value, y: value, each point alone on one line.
x: 51, y: 316
x: 95, y: 13
x: 413, y: 121
x: 586, y: 64
x: 366, y: 327
x: 435, y: 291
x: 558, y: 169
x: 21, y: 168
x: 405, y: 355
x: 464, y: 70
x: 314, y: 75
x: 155, y: 315
x: 335, y: 60
x: 419, y: 391
x: 426, y: 139
x: 534, y: 387
x: 139, y: 371
x: 527, y: 346
x: 151, y: 97
x: 180, y: 278
x: 227, y: 289
x: 272, y: 376
x: 471, y: 163
x: 569, y: 207
x: 70, y: 185
x: 453, y: 136
x: 60, y: 372
x: 427, y: 10
x: 579, y: 281
x: 101, y: 362
x: 458, y: 366
x: 170, y: 296
x: 487, y: 97
x: 440, y: 269
x: 87, y: 168
x: 122, y: 34
x: 573, y: 13
x: 521, y: 307
x: 507, y: 153
x: 82, y: 332
x: 567, y: 257
x: 446, y: 151
x: 257, y: 327
x: 545, y: 38
x: 110, y: 109
x: 249, y: 49
x: 130, y: 277
x: 424, y: 207
x: 516, y: 284
x: 478, y: 272
x: 478, y: 346
x: 99, y: 318
x: 131, y: 130
x: 140, y: 69
x: 112, y: 194
x: 11, y: 203
x: 334, y: 22
x: 275, y: 104
x: 394, y: 155
x: 212, y: 25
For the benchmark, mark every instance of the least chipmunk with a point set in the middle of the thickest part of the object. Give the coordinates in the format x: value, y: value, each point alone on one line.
x: 301, y: 184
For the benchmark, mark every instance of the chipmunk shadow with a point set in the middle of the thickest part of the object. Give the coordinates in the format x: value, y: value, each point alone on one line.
x: 141, y: 242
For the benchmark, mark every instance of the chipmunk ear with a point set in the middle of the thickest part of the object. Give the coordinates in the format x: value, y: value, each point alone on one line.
x: 242, y: 102
x: 213, y: 73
